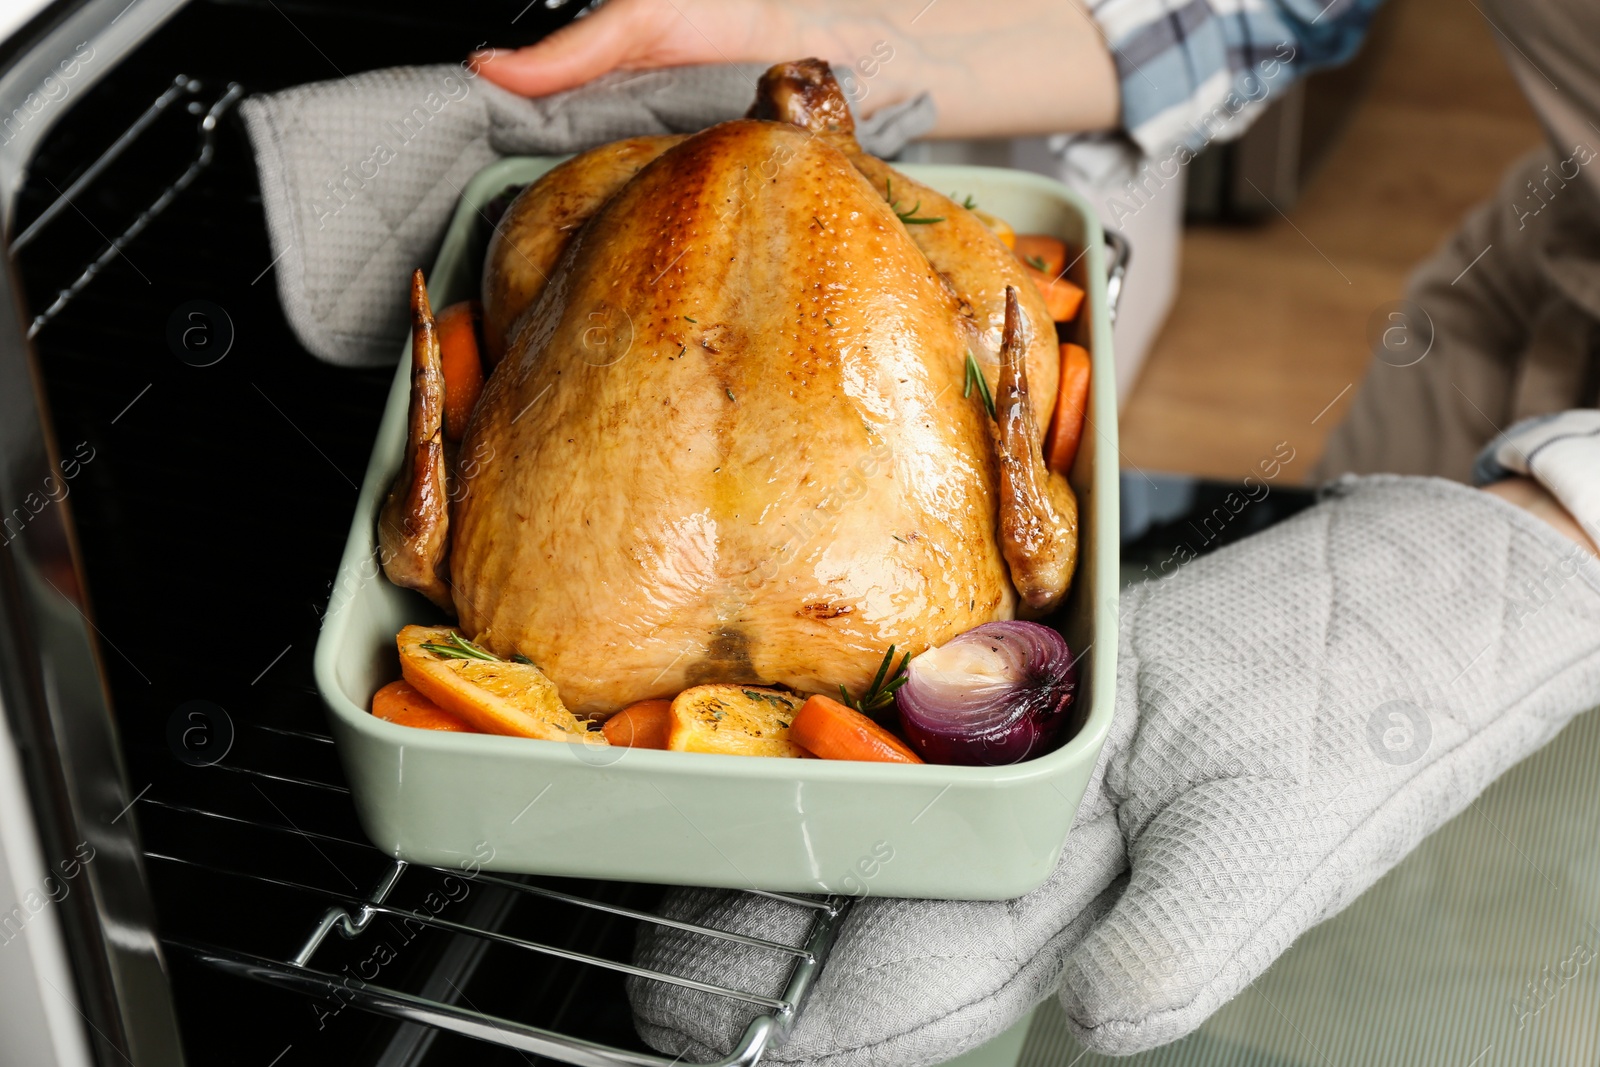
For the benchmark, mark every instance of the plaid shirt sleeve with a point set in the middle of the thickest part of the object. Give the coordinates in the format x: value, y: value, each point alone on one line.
x: 1197, y: 71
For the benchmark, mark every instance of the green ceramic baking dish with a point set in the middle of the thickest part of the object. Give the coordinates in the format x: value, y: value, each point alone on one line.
x: 542, y: 807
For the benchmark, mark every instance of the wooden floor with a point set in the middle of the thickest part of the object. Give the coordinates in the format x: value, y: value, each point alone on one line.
x: 1270, y: 324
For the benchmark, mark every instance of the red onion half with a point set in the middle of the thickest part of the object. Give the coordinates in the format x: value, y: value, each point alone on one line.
x: 996, y: 694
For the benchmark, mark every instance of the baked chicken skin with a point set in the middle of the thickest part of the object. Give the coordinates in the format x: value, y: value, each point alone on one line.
x: 729, y: 434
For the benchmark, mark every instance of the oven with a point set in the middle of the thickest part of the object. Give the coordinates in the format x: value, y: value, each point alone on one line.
x: 182, y: 876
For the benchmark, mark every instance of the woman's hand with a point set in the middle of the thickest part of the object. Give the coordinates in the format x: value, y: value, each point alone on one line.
x: 643, y: 35
x: 1013, y: 69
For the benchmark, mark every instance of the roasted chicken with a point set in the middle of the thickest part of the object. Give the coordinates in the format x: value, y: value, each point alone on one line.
x: 731, y: 434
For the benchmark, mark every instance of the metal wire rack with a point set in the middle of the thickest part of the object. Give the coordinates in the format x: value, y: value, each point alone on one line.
x: 353, y: 915
x: 183, y: 87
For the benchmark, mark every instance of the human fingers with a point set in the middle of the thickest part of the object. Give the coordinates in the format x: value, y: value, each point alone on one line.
x: 637, y: 35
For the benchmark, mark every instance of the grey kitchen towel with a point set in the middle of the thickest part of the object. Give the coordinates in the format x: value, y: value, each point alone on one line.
x: 1294, y: 714
x: 359, y: 176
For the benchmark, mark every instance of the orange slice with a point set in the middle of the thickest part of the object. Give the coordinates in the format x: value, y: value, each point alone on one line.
x: 492, y: 695
x: 998, y: 226
x: 736, y: 720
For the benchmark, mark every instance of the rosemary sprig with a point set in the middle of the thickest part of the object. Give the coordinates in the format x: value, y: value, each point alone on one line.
x: 976, y: 375
x: 909, y: 217
x: 880, y: 694
x: 458, y: 647
x: 968, y: 203
x: 770, y: 698
x: 1038, y: 263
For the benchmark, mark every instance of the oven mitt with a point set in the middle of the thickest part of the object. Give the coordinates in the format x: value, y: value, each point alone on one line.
x: 1561, y: 451
x: 360, y: 176
x: 1294, y: 714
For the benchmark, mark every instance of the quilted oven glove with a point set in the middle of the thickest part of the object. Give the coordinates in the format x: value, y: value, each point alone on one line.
x: 1294, y: 714
x: 359, y: 176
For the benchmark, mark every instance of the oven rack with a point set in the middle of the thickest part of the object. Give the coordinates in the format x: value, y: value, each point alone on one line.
x: 182, y: 88
x: 352, y: 915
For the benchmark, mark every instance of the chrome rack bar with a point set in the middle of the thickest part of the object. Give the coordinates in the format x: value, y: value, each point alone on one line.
x: 353, y: 926
x: 181, y: 85
x: 264, y: 879
x: 644, y: 916
x: 185, y: 809
x: 458, y: 963
x: 823, y: 931
x: 371, y: 907
x: 491, y: 879
x: 508, y: 1033
x: 824, y: 904
x: 310, y: 783
x: 208, y: 129
x: 304, y: 735
x: 498, y: 1031
x: 297, y: 975
x: 778, y: 1005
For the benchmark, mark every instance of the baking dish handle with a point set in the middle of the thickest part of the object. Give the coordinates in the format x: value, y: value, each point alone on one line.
x: 1116, y: 270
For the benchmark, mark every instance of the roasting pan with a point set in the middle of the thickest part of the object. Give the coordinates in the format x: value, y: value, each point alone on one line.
x: 847, y: 828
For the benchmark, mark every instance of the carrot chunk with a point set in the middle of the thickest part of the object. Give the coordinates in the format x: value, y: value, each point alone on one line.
x: 1072, y: 406
x: 1041, y: 252
x: 641, y: 725
x: 1061, y: 297
x: 457, y: 326
x: 398, y: 702
x: 826, y: 728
